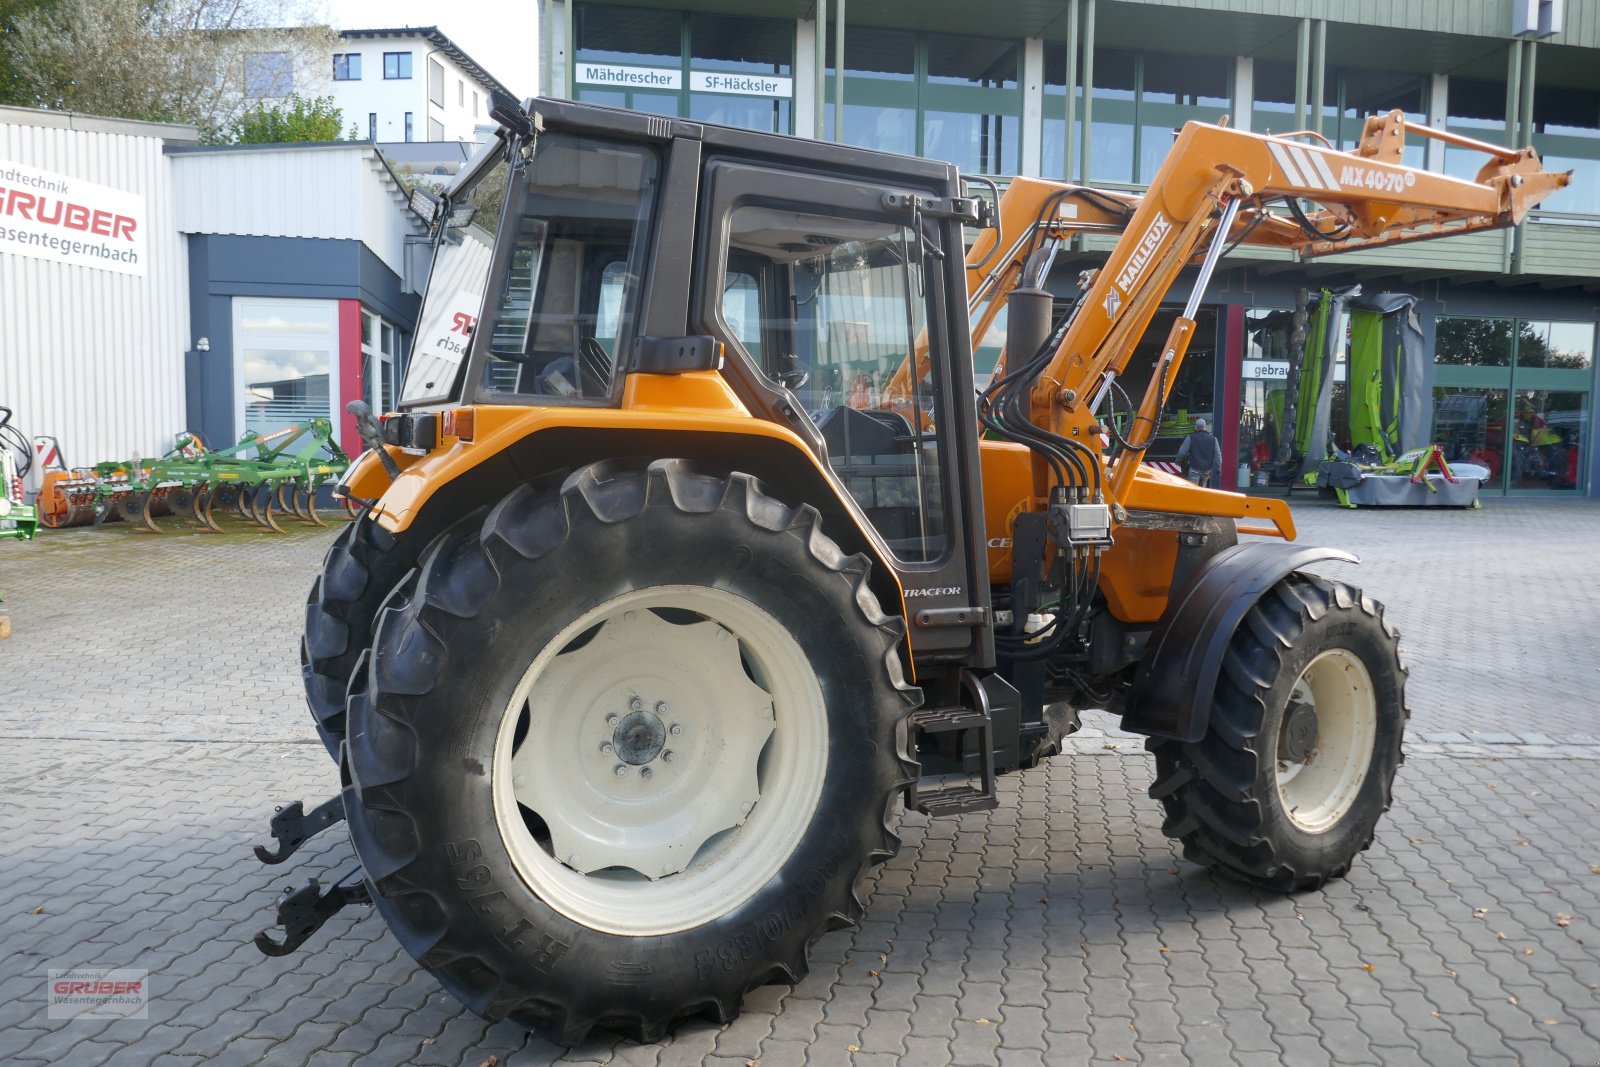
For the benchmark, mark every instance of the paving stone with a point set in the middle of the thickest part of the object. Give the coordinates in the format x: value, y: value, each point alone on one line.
x: 1054, y: 917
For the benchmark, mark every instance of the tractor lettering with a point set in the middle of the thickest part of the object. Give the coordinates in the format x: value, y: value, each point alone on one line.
x: 485, y: 903
x: 476, y: 878
x: 549, y: 951
x: 466, y: 852
x: 513, y: 937
x: 1158, y: 229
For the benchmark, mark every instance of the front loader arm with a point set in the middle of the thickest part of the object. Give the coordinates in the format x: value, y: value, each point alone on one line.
x: 1367, y: 198
x: 1031, y: 215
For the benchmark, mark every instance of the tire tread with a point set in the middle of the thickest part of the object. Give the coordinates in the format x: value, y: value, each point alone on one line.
x: 455, y: 579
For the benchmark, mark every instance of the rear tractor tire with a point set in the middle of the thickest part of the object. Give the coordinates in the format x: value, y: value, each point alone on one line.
x: 623, y: 751
x: 1303, y: 743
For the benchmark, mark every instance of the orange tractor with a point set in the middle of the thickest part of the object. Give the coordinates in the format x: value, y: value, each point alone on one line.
x: 693, y: 551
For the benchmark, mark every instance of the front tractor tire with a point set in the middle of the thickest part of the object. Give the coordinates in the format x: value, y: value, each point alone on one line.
x: 1295, y: 769
x: 624, y: 750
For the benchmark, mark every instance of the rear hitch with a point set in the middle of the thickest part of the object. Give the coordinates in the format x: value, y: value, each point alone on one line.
x: 292, y: 827
x: 301, y: 912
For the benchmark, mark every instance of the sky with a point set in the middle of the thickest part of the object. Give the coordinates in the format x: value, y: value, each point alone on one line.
x: 500, y: 34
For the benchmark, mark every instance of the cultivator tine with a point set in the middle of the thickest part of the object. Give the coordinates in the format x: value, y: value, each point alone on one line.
x: 252, y: 505
x: 262, y: 508
x: 205, y: 496
x: 136, y: 508
x: 188, y: 501
x: 243, y: 502
x: 223, y: 495
x: 309, y: 511
x: 285, y: 494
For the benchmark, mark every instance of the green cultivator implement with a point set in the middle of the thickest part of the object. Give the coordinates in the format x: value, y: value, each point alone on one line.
x: 263, y: 478
x: 18, y: 520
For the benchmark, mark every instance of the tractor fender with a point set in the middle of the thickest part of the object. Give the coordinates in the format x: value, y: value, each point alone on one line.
x: 1172, y: 691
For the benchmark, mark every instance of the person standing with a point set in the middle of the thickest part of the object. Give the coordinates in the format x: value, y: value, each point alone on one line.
x: 1201, y: 455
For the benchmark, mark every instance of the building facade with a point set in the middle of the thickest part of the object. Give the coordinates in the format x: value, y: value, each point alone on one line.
x: 152, y: 286
x: 1092, y: 90
x: 408, y: 84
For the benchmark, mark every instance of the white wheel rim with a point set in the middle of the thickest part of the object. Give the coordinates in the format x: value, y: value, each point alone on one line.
x: 1320, y: 789
x: 697, y: 820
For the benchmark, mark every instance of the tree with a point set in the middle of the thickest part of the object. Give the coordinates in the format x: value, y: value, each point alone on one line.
x: 12, y: 90
x: 298, y: 120
x: 202, y: 62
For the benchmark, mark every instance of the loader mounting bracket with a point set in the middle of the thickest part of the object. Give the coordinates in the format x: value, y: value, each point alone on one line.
x: 292, y: 827
x: 1172, y: 691
x: 301, y: 912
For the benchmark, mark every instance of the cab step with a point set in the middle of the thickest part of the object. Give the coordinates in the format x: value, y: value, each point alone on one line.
x: 954, y: 800
x: 970, y: 785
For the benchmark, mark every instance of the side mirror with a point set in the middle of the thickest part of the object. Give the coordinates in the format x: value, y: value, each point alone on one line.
x: 367, y: 426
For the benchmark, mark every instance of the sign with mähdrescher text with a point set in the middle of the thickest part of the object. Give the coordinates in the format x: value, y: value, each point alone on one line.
x: 740, y: 84
x: 629, y: 77
x: 51, y: 216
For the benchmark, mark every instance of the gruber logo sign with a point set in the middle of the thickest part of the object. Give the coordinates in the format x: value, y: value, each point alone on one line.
x: 56, y: 217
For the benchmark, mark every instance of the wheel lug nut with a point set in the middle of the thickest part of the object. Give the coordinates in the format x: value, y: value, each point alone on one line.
x: 669, y: 755
x: 635, y: 704
x: 661, y: 707
x: 675, y: 729
x: 611, y: 720
x: 622, y: 770
x: 605, y: 746
x: 646, y: 773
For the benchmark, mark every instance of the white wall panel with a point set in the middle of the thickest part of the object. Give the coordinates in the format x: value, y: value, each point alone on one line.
x: 90, y: 356
x: 312, y: 191
x: 340, y: 191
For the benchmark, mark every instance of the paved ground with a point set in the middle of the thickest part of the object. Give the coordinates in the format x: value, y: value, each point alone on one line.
x: 150, y: 715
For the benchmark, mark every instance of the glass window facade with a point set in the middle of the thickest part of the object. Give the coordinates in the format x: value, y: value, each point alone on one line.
x: 1378, y: 92
x: 725, y: 69
x: 1350, y: 94
x: 1140, y: 100
x: 1514, y: 396
x: 1477, y: 108
x: 286, y: 360
x: 952, y: 98
x: 1567, y: 134
x: 1263, y: 385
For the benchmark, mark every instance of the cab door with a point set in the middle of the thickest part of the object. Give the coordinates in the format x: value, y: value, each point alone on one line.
x: 822, y: 289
